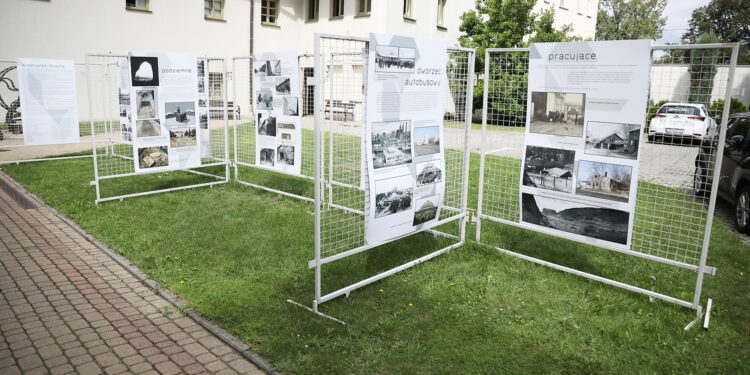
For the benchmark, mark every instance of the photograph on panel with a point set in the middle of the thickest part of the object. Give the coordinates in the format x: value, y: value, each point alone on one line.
x: 147, y: 128
x: 612, y: 139
x: 426, y: 209
x: 285, y: 132
x: 201, y: 85
x: 124, y: 97
x: 201, y: 69
x: 267, y: 157
x: 180, y: 113
x: 264, y: 101
x: 428, y: 173
x: 596, y: 222
x: 283, y: 85
x: 549, y: 168
x: 145, y: 105
x: 393, y: 195
x: 268, y: 68
x: 557, y: 113
x: 202, y: 102
x: 603, y: 180
x: 151, y: 157
x: 426, y: 140
x: 285, y: 155
x: 203, y: 119
x: 391, y: 143
x: 266, y: 124
x: 389, y: 59
x: 125, y: 112
x: 290, y: 106
x: 182, y: 136
x: 144, y: 71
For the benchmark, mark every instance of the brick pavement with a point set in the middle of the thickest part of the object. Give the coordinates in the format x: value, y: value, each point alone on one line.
x: 67, y: 308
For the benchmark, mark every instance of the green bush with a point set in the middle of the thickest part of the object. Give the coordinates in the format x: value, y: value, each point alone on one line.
x: 735, y: 106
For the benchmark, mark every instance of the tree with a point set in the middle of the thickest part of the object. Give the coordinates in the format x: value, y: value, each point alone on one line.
x: 728, y: 19
x: 630, y: 19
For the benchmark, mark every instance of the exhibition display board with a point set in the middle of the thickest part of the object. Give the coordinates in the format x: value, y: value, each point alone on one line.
x: 583, y: 169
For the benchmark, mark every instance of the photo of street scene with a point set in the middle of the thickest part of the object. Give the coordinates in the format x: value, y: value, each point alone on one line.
x: 612, y: 139
x: 391, y: 143
x: 549, y: 168
x: 577, y: 218
x: 152, y: 157
x: 557, y: 113
x: 427, y: 209
x: 179, y: 113
x: 426, y: 140
x: 268, y: 68
x: 389, y: 59
x: 393, y: 195
x: 283, y: 85
x: 603, y: 180
x: 182, y: 136
x: 428, y: 173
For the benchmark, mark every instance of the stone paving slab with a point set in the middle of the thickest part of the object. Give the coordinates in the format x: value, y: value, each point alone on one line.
x: 67, y: 308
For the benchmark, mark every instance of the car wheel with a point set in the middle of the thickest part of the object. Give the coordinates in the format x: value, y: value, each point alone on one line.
x: 700, y: 180
x: 742, y: 209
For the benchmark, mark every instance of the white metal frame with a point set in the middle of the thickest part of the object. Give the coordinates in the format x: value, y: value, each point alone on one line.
x: 109, y: 142
x: 19, y: 146
x: 701, y: 268
x: 324, y: 185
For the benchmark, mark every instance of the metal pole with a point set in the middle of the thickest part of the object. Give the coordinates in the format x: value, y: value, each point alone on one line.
x: 317, y: 172
x: 330, y: 131
x: 226, y: 120
x: 91, y: 124
x: 469, y: 108
x: 715, y: 179
x: 236, y: 140
x: 484, y: 136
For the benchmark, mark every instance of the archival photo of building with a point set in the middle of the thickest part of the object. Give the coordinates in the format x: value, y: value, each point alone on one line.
x: 391, y: 143
x: 549, y: 168
x: 603, y: 180
x: 557, y: 113
x: 612, y: 139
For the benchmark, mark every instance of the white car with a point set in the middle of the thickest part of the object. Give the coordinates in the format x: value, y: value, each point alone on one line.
x: 681, y: 120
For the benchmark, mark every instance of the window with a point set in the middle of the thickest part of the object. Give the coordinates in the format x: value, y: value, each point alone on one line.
x: 408, y: 9
x: 579, y: 9
x: 441, y: 13
x: 363, y: 7
x: 269, y: 11
x: 562, y: 4
x: 137, y: 4
x: 312, y: 10
x: 337, y: 8
x: 214, y: 9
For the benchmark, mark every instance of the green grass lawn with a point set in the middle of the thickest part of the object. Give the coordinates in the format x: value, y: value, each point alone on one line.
x: 235, y: 254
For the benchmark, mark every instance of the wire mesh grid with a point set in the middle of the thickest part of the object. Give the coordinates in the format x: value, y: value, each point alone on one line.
x: 672, y: 208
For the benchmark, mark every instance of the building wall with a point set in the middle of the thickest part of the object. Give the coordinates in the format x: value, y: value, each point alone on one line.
x: 672, y: 82
x: 580, y: 14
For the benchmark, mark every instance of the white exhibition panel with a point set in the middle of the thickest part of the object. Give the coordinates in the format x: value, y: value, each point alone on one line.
x: 586, y: 110
x: 404, y: 146
x: 47, y: 90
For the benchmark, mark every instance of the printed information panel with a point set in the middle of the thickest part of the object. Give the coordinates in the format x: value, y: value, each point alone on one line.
x: 587, y: 107
x: 49, y: 111
x: 126, y: 116
x: 278, y: 124
x: 164, y: 100
x: 405, y: 158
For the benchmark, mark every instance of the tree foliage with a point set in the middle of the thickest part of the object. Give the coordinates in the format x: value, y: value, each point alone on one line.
x: 630, y: 19
x: 728, y: 19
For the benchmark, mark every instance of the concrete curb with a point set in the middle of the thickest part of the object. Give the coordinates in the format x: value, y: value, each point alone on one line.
x: 229, y: 339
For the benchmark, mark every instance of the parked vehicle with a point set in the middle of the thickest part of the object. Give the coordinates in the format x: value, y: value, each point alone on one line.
x: 734, y: 176
x: 681, y: 121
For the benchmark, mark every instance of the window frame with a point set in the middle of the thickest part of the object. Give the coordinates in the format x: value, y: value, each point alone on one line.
x: 265, y: 16
x: 212, y: 9
x: 367, y: 8
x: 313, y: 10
x: 340, y: 6
x: 409, y: 10
x: 440, y: 22
x: 147, y: 8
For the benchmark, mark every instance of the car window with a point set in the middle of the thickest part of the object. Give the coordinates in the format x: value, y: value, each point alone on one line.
x: 680, y: 110
x: 741, y: 127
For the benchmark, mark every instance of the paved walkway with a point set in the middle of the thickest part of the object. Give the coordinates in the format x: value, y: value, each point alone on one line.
x: 67, y: 308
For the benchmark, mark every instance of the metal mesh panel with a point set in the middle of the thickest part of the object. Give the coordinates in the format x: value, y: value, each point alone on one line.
x: 672, y: 212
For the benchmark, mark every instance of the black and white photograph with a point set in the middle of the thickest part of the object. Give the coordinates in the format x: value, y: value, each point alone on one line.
x: 286, y: 132
x: 125, y: 112
x: 266, y: 124
x: 203, y: 119
x: 283, y: 85
x: 426, y: 209
x: 201, y: 69
x: 393, y: 195
x: 612, y: 139
x: 268, y: 68
x: 391, y: 143
x: 596, y: 222
x: 147, y: 128
x: 201, y: 85
x: 426, y: 140
x: 202, y: 102
x: 180, y: 113
x: 603, y: 180
x: 182, y: 136
x: 267, y: 157
x: 127, y: 132
x: 428, y: 173
x: 146, y: 104
x: 291, y: 107
x: 285, y: 155
x: 557, y: 113
x: 389, y: 59
x: 144, y: 71
x: 124, y: 97
x: 152, y: 157
x: 264, y: 101
x: 549, y: 168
